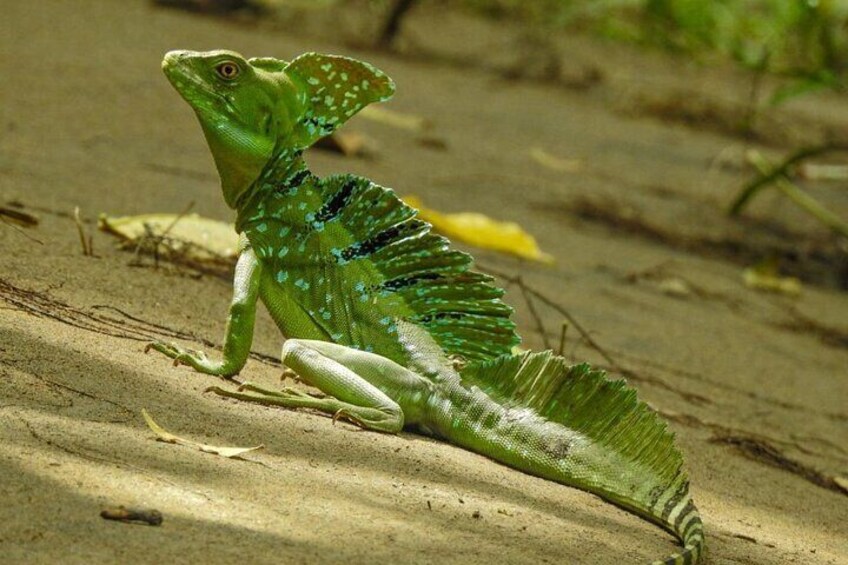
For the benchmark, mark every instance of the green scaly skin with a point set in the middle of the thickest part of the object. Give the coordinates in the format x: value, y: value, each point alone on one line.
x: 375, y: 304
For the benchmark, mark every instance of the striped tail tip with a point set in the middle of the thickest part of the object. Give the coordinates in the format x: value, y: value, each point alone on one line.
x: 690, y: 530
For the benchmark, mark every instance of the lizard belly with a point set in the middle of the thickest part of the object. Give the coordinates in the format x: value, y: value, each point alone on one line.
x: 291, y: 317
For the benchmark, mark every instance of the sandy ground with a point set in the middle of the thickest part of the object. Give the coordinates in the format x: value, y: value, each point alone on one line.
x: 755, y: 385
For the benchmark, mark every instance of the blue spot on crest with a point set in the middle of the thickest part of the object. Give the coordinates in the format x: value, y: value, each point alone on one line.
x: 282, y: 276
x: 301, y: 284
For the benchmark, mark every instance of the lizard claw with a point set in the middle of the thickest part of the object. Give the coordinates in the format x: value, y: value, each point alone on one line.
x: 289, y: 374
x: 183, y: 356
x: 343, y: 414
x: 171, y: 350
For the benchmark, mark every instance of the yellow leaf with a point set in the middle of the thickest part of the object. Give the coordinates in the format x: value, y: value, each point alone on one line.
x: 555, y: 163
x: 200, y: 238
x: 482, y: 231
x: 168, y: 437
x: 764, y: 276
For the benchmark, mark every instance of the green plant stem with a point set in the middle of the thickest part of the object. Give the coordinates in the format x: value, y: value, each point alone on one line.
x: 781, y: 171
x: 799, y: 197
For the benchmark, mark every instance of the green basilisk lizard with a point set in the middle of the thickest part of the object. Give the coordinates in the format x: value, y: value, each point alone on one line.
x: 384, y: 316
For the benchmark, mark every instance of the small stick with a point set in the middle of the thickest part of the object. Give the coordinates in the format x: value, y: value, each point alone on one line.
x: 565, y: 313
x: 18, y: 229
x: 392, y: 25
x: 562, y: 338
x: 22, y: 218
x: 540, y: 326
x: 132, y: 515
x: 86, y: 243
x: 158, y: 239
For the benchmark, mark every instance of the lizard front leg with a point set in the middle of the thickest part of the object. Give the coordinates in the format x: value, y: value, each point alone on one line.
x: 353, y: 378
x: 240, y: 322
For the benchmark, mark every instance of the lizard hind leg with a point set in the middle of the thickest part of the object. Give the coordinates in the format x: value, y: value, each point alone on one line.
x: 351, y: 396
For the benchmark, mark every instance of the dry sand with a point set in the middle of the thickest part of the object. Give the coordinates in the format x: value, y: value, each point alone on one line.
x: 756, y: 385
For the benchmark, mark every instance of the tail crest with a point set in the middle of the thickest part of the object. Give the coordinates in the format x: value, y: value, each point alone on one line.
x: 642, y: 470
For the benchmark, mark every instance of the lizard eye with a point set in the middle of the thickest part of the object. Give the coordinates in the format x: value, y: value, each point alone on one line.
x: 228, y: 70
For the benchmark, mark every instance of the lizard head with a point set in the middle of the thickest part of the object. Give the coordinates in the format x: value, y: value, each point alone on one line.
x: 251, y: 108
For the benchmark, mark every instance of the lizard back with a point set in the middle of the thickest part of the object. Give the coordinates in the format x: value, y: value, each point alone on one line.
x: 345, y: 259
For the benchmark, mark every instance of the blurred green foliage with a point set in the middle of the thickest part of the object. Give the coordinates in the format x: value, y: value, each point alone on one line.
x: 800, y: 38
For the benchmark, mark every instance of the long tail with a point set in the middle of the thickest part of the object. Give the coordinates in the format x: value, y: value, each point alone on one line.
x: 625, y: 453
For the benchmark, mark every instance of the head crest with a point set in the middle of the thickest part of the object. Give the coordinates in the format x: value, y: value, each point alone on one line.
x: 268, y: 63
x: 335, y: 88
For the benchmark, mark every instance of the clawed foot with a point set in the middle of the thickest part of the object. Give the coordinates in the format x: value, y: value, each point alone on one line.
x: 290, y: 374
x: 287, y: 397
x: 250, y: 391
x: 198, y: 360
x: 388, y: 421
x: 379, y: 419
x: 343, y: 414
x: 285, y: 392
x: 180, y: 355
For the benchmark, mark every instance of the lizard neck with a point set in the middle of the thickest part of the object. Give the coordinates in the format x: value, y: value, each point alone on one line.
x: 239, y: 157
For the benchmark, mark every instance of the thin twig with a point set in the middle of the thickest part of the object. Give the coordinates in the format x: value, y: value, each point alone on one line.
x: 540, y: 326
x: 562, y: 339
x: 752, y: 111
x: 393, y: 22
x: 151, y: 517
x: 157, y: 239
x: 20, y: 230
x: 22, y: 218
x: 85, y: 242
x: 565, y: 313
